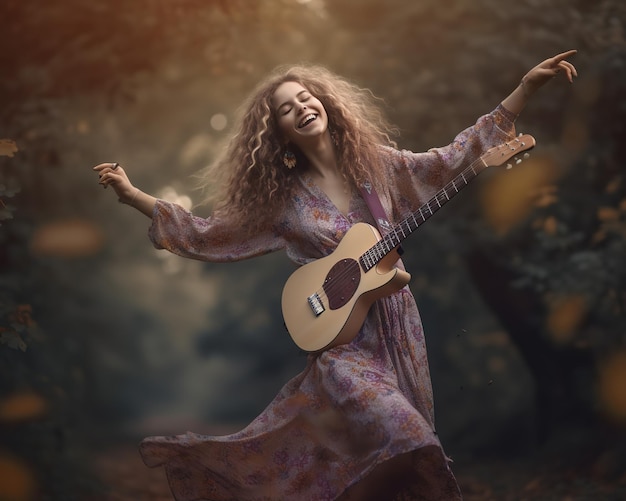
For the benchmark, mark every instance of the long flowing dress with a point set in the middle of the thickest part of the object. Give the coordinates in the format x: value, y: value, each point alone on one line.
x: 353, y: 406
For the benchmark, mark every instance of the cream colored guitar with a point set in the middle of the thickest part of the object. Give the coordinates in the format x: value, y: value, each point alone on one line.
x: 325, y: 302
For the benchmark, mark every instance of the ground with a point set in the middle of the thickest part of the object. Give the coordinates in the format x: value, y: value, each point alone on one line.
x: 540, y: 476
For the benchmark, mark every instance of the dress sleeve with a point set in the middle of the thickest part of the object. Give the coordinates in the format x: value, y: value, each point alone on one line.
x: 418, y: 176
x: 212, y: 239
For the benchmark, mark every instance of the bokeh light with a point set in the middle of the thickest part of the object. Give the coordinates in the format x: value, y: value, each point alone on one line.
x: 566, y: 315
x: 22, y: 407
x: 507, y: 196
x: 612, y: 387
x: 68, y: 238
x: 219, y: 121
x: 17, y: 482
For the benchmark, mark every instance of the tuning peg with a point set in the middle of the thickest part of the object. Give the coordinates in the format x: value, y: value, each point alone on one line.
x: 526, y: 156
x: 518, y: 161
x: 509, y: 166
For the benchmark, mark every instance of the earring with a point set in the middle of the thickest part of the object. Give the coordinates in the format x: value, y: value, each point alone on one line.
x: 289, y: 159
x: 334, y: 137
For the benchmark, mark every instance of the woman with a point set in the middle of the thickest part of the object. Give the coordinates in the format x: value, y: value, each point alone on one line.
x: 358, y: 422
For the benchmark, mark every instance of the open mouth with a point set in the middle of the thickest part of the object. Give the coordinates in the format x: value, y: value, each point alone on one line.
x: 307, y: 120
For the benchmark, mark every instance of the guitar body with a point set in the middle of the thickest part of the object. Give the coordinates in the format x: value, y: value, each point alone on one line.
x: 325, y: 302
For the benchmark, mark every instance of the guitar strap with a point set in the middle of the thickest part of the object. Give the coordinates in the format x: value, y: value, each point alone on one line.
x: 376, y: 207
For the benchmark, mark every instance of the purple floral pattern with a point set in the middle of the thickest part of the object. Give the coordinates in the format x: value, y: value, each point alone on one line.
x: 352, y: 407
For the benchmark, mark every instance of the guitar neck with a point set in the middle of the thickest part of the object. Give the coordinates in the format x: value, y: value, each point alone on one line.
x: 408, y: 225
x: 493, y: 157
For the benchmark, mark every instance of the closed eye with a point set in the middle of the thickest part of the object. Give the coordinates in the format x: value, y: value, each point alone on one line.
x: 303, y: 96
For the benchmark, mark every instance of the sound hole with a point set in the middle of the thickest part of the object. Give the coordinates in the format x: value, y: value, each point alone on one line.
x: 342, y: 282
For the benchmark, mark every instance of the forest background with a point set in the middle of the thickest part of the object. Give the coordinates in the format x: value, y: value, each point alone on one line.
x: 521, y: 279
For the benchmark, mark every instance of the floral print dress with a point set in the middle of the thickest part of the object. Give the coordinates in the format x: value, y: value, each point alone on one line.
x: 353, y: 406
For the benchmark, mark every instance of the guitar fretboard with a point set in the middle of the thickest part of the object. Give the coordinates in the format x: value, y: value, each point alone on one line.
x: 408, y: 225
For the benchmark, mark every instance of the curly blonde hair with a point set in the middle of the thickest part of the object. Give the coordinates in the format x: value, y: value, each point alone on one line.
x: 251, y: 166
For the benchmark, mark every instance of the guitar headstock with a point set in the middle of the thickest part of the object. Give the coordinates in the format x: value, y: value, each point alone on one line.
x: 498, y: 155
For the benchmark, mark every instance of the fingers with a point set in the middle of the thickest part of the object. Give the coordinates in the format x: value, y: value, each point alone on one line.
x: 561, y: 58
x: 109, y: 173
x: 107, y: 165
x: 558, y: 64
x: 564, y: 55
x: 570, y: 69
x: 109, y: 178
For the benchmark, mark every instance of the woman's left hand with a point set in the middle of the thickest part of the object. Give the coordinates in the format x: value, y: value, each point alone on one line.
x: 547, y: 70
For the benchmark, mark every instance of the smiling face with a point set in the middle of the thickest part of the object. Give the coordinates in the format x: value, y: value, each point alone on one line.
x: 301, y: 117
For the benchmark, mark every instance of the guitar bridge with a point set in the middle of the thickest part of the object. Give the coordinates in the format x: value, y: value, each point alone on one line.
x: 316, y: 304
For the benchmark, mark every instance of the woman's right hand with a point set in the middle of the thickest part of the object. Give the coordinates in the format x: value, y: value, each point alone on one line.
x: 112, y: 174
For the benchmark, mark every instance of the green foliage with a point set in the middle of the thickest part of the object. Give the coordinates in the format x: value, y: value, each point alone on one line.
x: 16, y: 324
x: 9, y: 186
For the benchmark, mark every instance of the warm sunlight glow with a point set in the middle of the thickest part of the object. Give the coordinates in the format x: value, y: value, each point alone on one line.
x: 16, y: 480
x: 8, y: 147
x: 612, y: 389
x: 69, y: 238
x: 21, y: 406
x: 508, y: 195
x: 565, y: 317
x: 170, y: 194
x: 219, y: 121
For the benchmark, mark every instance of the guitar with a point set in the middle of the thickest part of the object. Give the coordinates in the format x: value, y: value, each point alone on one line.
x: 325, y: 302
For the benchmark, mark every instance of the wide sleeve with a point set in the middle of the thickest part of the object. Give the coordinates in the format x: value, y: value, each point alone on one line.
x: 212, y: 239
x: 416, y: 177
